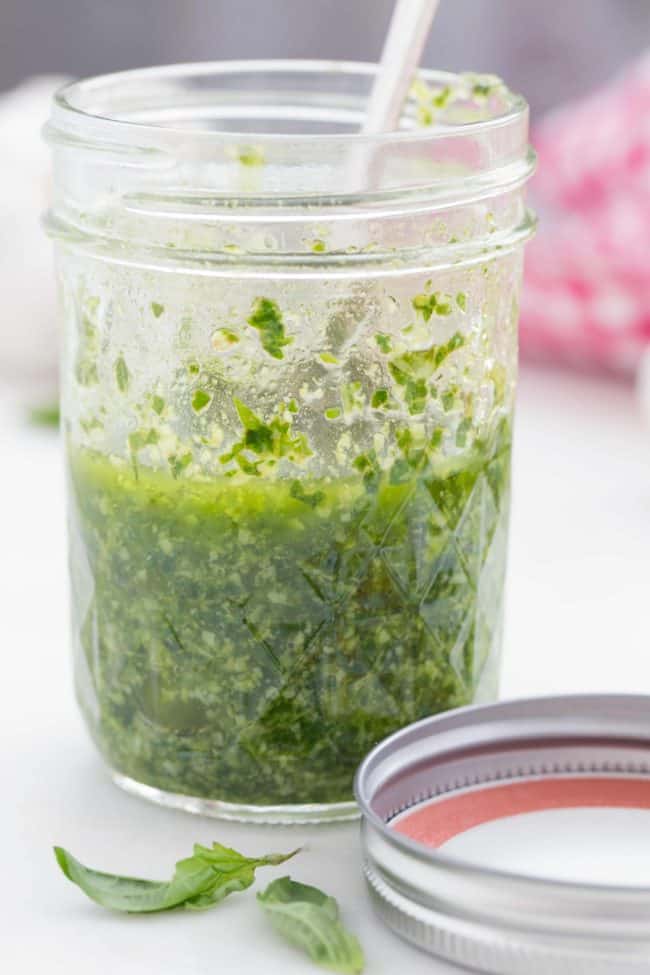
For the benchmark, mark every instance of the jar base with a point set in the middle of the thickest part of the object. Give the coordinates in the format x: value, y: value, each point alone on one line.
x: 280, y: 815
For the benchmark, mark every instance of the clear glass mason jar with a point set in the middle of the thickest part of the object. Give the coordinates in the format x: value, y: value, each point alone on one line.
x: 288, y: 377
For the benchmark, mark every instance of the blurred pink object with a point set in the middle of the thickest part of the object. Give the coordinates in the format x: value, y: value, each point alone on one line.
x: 587, y: 295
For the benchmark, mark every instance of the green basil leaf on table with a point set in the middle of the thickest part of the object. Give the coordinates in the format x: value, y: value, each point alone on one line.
x: 309, y: 919
x: 199, y: 881
x: 45, y: 416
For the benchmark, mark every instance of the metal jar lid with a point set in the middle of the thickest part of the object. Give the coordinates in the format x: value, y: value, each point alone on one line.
x: 466, y: 780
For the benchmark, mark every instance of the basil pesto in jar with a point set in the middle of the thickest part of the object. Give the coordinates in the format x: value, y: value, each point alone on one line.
x: 287, y: 411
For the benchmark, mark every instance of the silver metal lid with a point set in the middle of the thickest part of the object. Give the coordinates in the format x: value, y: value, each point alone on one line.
x: 500, y: 798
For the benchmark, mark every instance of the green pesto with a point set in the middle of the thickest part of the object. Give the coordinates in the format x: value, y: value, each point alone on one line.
x: 266, y: 317
x: 249, y: 638
x: 268, y: 442
x: 412, y: 370
x: 379, y: 399
x: 468, y: 93
x: 329, y: 359
x: 223, y: 337
x: 251, y: 156
x: 200, y: 400
x: 122, y: 377
x: 352, y: 398
x: 429, y: 304
x: 157, y: 404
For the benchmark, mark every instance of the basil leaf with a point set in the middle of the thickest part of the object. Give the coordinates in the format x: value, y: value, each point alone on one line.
x: 45, y: 416
x: 199, y: 881
x: 308, y: 918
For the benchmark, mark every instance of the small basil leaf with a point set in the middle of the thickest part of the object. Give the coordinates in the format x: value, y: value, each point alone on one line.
x: 199, y: 881
x: 119, y: 893
x: 45, y: 416
x: 309, y: 919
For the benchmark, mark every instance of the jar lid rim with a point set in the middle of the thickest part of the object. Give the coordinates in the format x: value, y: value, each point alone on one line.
x: 604, y: 719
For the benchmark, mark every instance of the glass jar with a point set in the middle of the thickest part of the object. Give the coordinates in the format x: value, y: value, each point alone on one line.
x: 288, y: 378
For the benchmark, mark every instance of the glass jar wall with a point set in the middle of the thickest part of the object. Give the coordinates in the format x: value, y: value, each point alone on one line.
x: 289, y: 370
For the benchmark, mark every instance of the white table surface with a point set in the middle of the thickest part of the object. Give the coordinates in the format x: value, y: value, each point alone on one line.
x: 578, y: 619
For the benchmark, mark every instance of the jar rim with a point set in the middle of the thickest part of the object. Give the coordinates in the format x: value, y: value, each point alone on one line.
x: 81, y: 102
x: 236, y: 146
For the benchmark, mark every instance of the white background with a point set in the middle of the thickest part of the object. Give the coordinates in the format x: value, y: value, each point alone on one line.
x: 578, y: 620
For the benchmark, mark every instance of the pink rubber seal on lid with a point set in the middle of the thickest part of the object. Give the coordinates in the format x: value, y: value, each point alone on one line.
x: 435, y: 823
